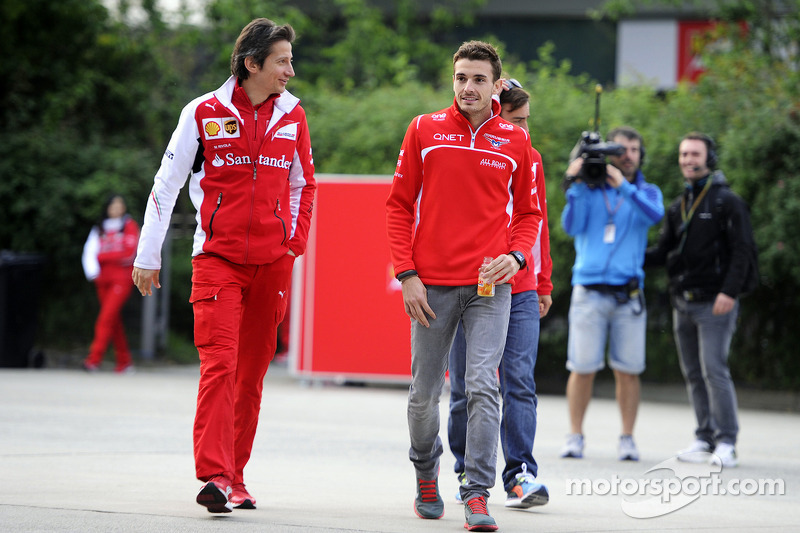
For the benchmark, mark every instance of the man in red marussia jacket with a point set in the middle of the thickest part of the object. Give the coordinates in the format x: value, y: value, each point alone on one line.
x: 461, y: 192
x: 248, y: 150
x: 530, y: 300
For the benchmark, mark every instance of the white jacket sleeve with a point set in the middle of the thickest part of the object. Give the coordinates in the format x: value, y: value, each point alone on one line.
x: 91, y: 267
x: 176, y: 165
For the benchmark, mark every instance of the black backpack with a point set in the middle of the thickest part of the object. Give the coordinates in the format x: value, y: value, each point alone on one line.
x: 752, y: 278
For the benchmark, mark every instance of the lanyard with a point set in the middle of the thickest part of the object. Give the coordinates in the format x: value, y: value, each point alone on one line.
x: 608, y: 206
x: 687, y: 217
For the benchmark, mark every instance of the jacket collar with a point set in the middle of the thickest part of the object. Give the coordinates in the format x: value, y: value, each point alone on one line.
x: 455, y: 110
x: 285, y: 103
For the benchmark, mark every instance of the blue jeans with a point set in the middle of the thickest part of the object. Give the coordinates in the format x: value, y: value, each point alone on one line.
x: 517, y: 386
x: 485, y: 323
x: 704, y: 341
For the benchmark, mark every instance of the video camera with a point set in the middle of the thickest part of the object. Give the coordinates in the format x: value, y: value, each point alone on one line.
x: 593, y: 150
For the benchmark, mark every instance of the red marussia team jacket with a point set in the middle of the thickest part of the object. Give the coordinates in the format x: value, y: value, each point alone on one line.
x: 253, y: 195
x: 460, y: 195
x: 537, y: 275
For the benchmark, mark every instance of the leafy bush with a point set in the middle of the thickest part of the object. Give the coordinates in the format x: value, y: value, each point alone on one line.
x: 95, y: 117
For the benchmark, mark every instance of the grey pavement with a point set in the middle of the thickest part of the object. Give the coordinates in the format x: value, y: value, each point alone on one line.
x: 102, y: 452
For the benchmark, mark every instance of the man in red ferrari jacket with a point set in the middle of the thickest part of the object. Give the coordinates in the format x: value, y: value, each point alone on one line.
x: 247, y: 148
x: 461, y: 192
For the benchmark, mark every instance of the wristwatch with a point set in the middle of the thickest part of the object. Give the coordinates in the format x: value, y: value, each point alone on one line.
x: 518, y: 257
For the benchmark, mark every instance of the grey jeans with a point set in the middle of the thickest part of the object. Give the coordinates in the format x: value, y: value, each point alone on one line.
x: 704, y: 341
x: 485, y: 323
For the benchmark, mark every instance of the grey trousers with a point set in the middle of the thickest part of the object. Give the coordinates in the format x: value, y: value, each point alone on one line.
x: 485, y: 323
x: 704, y: 341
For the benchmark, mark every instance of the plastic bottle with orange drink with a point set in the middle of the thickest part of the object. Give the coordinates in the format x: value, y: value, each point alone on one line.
x: 484, y: 288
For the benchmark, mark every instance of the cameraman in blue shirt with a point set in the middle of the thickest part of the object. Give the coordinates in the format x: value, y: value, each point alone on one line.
x: 609, y: 218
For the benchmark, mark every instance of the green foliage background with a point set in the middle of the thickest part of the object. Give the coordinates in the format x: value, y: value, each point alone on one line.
x: 94, y: 117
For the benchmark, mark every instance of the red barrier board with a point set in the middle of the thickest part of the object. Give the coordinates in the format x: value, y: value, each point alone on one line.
x: 347, y: 318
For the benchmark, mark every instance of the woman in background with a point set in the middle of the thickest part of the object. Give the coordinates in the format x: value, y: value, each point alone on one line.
x: 108, y: 261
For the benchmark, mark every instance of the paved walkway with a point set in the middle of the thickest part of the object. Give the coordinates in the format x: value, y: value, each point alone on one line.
x: 100, y: 452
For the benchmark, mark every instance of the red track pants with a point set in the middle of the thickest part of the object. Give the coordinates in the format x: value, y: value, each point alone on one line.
x: 237, y: 309
x: 109, y: 328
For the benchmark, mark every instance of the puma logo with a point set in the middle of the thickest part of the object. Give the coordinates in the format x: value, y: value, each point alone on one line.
x: 212, y: 106
x: 281, y: 293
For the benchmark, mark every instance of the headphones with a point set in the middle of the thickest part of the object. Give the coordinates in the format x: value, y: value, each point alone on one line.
x: 711, y: 148
x: 711, y: 159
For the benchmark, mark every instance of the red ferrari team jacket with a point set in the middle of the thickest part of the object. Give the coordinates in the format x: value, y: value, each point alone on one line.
x: 252, y: 184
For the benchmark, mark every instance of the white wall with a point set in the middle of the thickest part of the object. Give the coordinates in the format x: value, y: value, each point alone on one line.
x: 647, y: 52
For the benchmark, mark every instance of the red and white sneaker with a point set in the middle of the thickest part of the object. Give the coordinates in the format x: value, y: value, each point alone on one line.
x: 240, y: 498
x: 215, y: 495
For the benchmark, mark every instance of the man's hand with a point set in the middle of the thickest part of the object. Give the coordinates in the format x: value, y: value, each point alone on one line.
x: 415, y: 300
x: 501, y: 269
x: 545, y: 302
x: 575, y: 167
x: 145, y: 280
x: 723, y: 304
x: 614, y: 176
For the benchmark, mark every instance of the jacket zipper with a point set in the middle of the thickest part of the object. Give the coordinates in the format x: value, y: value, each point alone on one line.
x: 211, y: 221
x: 252, y: 191
x: 250, y: 218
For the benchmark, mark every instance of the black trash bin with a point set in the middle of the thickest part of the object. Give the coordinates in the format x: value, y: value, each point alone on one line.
x: 20, y: 290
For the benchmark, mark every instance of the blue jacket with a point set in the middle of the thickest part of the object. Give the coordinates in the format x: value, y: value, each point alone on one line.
x: 633, y: 208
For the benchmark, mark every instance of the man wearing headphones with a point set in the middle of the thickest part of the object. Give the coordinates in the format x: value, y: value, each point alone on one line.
x: 706, y: 243
x: 609, y: 222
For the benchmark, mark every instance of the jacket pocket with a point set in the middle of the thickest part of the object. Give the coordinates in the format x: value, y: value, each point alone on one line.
x: 283, y: 223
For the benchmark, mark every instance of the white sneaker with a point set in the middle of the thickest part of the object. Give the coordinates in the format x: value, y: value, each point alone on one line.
x: 724, y: 455
x: 627, y: 449
x: 574, y: 446
x: 697, y: 452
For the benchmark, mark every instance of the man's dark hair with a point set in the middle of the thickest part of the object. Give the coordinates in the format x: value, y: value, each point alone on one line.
x: 627, y: 132
x: 256, y: 40
x: 632, y: 135
x: 515, y: 97
x: 480, y: 51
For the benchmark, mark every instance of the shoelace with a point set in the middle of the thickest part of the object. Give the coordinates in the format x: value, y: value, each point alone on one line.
x: 478, y: 505
x: 427, y: 490
x: 525, y: 476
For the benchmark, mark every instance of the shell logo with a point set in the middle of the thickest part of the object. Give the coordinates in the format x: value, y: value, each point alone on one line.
x: 212, y: 129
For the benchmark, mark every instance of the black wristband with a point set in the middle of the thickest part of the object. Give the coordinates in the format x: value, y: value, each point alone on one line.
x: 406, y: 274
x: 518, y: 257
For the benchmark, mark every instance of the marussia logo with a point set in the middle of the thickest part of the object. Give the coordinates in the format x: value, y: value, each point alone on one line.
x: 496, y: 142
